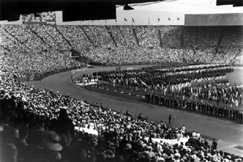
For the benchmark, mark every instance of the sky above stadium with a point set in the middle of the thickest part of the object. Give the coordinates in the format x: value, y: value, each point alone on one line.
x: 188, y: 7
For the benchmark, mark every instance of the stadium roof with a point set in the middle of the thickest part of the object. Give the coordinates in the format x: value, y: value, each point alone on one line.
x: 189, y: 12
x: 225, y: 19
x: 187, y: 7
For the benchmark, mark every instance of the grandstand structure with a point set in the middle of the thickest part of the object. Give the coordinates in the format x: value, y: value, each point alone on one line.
x: 217, y: 43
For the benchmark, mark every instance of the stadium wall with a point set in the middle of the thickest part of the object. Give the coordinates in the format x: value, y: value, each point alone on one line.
x: 19, y: 22
x: 234, y: 19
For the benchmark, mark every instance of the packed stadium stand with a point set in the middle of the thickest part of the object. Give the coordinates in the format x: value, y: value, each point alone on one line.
x: 31, y: 51
x: 44, y: 126
x: 126, y: 44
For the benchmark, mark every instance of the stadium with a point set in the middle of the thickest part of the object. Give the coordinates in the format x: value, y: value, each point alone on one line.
x: 160, y: 82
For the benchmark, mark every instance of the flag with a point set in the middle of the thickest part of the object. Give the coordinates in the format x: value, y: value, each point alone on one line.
x: 143, y: 83
x: 158, y: 19
x: 133, y: 20
x: 125, y: 19
x: 169, y: 19
x: 178, y: 18
x: 140, y: 82
x: 134, y: 81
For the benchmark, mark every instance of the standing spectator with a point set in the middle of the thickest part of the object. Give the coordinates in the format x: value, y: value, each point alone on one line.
x: 170, y: 120
x: 63, y: 126
x: 214, y: 144
x: 173, y: 119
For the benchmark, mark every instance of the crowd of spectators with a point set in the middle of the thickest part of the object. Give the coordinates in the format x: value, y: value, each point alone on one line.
x: 239, y: 60
x: 32, y: 129
x: 32, y: 53
x: 39, y: 125
x: 34, y: 65
x: 114, y: 45
x: 160, y: 44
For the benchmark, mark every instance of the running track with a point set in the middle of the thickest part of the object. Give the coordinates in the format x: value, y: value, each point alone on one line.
x: 228, y: 133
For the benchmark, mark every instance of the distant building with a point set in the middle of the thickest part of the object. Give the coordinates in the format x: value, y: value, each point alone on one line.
x: 43, y: 18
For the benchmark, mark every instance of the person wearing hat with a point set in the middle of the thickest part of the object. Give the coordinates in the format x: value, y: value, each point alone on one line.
x: 50, y: 147
x: 50, y: 140
x: 63, y: 125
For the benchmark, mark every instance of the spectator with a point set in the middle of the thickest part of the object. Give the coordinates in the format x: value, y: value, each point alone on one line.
x: 63, y: 125
x: 214, y: 147
x: 170, y: 119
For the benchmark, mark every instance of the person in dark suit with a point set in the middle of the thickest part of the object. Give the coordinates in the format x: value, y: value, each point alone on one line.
x: 170, y: 119
x: 214, y: 144
x: 63, y: 126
